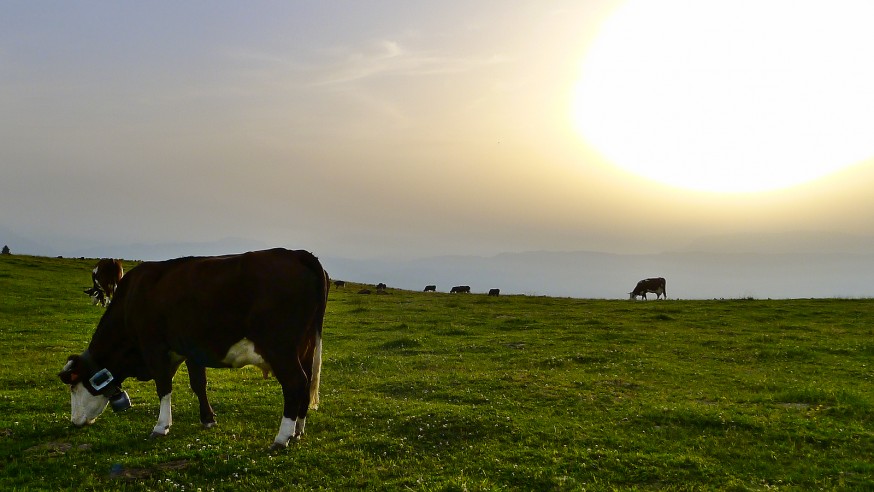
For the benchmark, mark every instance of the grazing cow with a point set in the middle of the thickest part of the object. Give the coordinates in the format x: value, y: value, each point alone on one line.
x: 460, y: 289
x: 262, y: 308
x: 494, y: 292
x: 339, y: 283
x: 104, y: 279
x: 654, y: 285
x: 380, y: 287
x: 430, y: 288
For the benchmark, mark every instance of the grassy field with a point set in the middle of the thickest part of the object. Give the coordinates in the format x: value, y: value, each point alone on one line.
x: 468, y: 392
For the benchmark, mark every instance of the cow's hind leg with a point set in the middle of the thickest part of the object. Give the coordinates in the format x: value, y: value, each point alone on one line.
x: 197, y: 379
x: 310, y: 397
x: 295, y: 393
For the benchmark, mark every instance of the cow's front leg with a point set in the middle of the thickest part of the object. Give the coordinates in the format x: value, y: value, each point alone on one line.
x: 164, y: 386
x: 165, y: 418
x: 197, y: 378
x: 163, y: 365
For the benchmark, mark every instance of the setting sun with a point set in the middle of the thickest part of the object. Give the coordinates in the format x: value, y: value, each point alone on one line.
x: 730, y: 96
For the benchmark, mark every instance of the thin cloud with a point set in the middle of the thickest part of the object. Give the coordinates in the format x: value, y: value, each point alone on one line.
x: 340, y: 66
x: 389, y: 58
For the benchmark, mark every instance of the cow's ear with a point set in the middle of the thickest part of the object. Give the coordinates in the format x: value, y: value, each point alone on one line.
x: 70, y: 373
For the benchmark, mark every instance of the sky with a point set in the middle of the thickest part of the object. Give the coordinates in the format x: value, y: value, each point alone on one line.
x: 395, y: 129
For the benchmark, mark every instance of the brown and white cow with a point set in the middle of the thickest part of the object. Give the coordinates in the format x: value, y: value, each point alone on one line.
x: 654, y: 285
x: 104, y: 279
x: 262, y: 308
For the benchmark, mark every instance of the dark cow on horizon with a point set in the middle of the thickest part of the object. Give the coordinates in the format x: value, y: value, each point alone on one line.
x: 263, y: 308
x: 460, y: 289
x: 430, y: 288
x: 653, y: 285
x: 104, y: 279
x: 494, y: 292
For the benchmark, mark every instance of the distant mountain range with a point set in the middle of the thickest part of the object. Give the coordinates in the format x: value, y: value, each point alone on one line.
x: 163, y: 251
x: 788, y: 265
x: 783, y: 243
x: 131, y: 251
x: 689, y: 275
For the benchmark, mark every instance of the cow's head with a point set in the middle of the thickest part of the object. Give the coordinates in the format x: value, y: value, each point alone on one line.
x: 97, y: 296
x: 91, y: 390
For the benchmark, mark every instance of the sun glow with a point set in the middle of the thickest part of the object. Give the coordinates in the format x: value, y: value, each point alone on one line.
x: 731, y: 96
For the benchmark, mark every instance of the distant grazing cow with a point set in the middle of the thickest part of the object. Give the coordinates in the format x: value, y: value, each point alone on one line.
x: 430, y: 288
x: 460, y: 289
x: 262, y: 308
x: 380, y: 286
x: 654, y: 285
x: 339, y: 283
x: 494, y: 292
x: 104, y: 279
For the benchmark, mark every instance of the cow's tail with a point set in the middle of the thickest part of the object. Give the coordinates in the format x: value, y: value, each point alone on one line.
x: 317, y: 372
x: 317, y: 350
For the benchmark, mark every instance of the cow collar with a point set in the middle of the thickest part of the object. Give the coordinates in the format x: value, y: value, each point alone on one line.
x: 97, y: 380
x: 102, y: 382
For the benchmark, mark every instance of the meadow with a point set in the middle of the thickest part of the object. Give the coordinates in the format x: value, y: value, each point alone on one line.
x: 425, y: 391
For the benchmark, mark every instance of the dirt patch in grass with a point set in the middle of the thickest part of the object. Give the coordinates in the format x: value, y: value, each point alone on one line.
x: 119, y: 472
x: 55, y: 448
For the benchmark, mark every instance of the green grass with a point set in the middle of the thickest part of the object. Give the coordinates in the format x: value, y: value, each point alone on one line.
x: 469, y: 392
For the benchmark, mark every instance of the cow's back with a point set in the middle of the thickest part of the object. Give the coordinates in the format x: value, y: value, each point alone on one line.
x: 201, y: 306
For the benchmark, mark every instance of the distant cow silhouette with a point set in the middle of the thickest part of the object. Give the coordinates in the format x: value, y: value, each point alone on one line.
x: 339, y: 283
x: 104, y: 278
x: 380, y: 287
x: 460, y: 289
x: 654, y: 285
x: 494, y: 292
x: 430, y: 288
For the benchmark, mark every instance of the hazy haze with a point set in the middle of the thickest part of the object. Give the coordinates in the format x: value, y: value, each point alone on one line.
x: 392, y: 130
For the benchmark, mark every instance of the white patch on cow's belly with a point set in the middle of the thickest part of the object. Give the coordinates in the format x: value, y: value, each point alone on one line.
x: 243, y: 354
